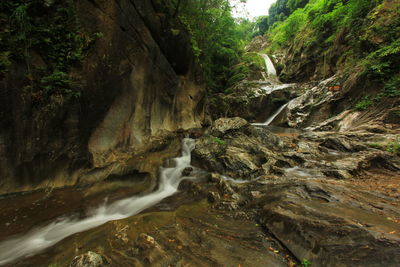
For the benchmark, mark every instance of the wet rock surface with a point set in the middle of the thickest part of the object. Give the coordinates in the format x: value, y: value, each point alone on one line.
x: 333, y: 224
x: 314, y: 192
x: 269, y: 199
x: 89, y: 259
x: 254, y: 100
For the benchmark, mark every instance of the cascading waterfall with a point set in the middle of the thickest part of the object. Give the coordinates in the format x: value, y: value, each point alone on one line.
x: 41, y: 238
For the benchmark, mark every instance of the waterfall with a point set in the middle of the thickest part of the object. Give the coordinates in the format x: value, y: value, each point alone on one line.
x: 273, y: 116
x: 270, y: 66
x: 41, y: 238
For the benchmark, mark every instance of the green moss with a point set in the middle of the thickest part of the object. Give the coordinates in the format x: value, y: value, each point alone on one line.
x: 219, y: 141
x: 394, y: 147
x: 375, y: 145
x: 364, y: 103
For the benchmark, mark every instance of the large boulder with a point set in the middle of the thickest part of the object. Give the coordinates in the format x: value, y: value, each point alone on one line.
x: 237, y: 149
x: 224, y: 125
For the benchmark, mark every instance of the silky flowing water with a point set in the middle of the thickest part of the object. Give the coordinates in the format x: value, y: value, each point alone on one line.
x: 270, y: 66
x: 271, y: 118
x: 38, y: 239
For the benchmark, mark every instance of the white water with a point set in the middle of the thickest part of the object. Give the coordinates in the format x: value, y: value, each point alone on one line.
x: 270, y: 66
x: 41, y: 238
x: 273, y: 116
x: 297, y: 172
x: 274, y: 87
x: 236, y: 181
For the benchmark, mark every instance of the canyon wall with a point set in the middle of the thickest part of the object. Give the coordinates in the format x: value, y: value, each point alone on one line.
x: 137, y: 82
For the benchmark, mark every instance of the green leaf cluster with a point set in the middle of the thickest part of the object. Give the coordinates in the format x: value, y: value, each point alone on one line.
x: 59, y: 82
x: 305, y: 263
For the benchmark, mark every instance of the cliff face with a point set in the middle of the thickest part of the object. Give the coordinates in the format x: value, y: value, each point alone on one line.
x: 138, y: 81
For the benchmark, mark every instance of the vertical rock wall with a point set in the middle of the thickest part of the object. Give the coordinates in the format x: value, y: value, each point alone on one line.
x: 139, y: 80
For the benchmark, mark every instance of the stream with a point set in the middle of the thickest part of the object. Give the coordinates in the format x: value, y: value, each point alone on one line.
x: 252, y: 210
x: 40, y: 238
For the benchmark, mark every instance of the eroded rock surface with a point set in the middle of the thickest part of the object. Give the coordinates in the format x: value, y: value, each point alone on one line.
x: 333, y: 224
x: 313, y: 192
x: 89, y: 259
x: 139, y: 81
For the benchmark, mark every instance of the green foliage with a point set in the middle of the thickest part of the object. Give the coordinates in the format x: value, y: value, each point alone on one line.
x: 382, y: 61
x: 364, y: 103
x: 4, y: 61
x: 285, y: 31
x: 217, y: 39
x: 367, y: 31
x: 392, y: 87
x: 394, y: 147
x: 279, y: 11
x: 50, y: 29
x: 375, y: 145
x: 59, y: 82
x: 249, y: 62
x: 219, y: 141
x: 305, y: 263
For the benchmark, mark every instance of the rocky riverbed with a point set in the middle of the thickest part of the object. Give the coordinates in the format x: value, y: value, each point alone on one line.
x: 268, y: 199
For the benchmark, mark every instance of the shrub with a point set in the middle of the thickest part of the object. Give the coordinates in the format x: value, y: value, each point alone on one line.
x: 364, y: 103
x: 305, y: 263
x: 59, y: 82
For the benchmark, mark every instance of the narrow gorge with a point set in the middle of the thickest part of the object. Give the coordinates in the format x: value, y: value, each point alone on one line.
x: 179, y: 133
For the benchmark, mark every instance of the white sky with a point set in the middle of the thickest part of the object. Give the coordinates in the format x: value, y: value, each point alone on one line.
x: 259, y: 7
x: 255, y: 8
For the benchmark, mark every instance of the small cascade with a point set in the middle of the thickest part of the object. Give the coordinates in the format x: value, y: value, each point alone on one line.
x: 38, y: 239
x: 270, y: 66
x: 273, y: 116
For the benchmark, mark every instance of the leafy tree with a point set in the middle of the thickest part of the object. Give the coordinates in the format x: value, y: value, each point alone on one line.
x: 279, y: 11
x: 216, y: 37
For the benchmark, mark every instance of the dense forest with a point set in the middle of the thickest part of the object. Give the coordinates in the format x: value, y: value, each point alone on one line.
x: 188, y: 133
